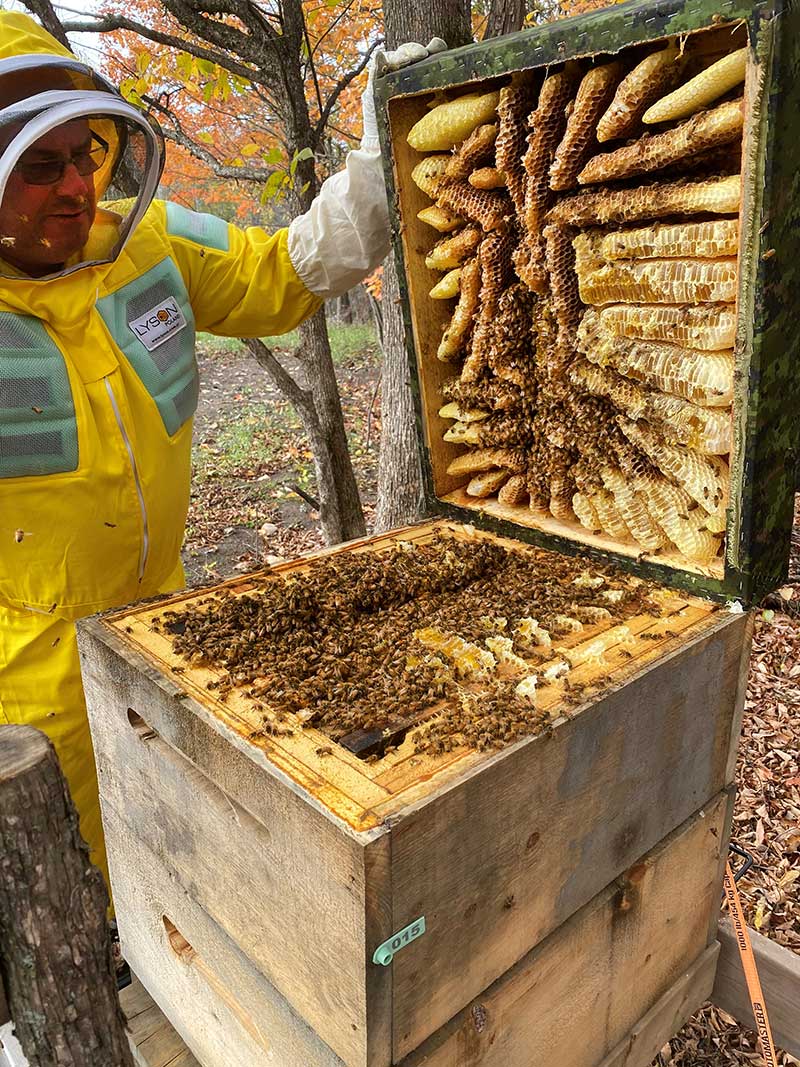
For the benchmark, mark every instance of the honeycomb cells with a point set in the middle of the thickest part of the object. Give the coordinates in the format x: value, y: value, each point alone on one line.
x: 703, y: 240
x: 645, y: 84
x: 719, y: 196
x: 591, y: 331
x: 710, y: 327
x: 660, y: 281
x: 594, y: 94
x: 653, y: 152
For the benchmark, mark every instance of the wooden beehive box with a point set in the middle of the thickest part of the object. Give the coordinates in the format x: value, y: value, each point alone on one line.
x: 551, y: 900
x: 274, y: 866
x: 763, y: 374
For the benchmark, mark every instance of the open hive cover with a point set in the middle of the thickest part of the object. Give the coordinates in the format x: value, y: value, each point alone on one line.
x: 597, y: 244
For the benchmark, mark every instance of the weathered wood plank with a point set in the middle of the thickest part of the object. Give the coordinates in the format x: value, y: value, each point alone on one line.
x: 504, y: 856
x: 584, y: 990
x: 667, y: 1015
x: 779, y: 971
x: 136, y: 1002
x: 587, y: 987
x: 279, y: 877
x: 222, y: 1007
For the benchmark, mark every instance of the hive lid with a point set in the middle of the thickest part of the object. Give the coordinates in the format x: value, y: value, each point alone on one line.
x: 766, y: 410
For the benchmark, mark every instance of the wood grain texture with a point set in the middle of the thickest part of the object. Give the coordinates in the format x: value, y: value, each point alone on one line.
x: 581, y: 992
x: 270, y: 870
x: 506, y: 856
x: 779, y: 971
x: 622, y: 974
x: 667, y: 1015
x: 56, y: 951
x: 217, y: 1007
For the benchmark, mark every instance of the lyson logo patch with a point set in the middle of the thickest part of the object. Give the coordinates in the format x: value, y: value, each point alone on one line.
x: 158, y: 324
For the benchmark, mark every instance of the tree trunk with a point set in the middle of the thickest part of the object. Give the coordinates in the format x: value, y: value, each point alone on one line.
x: 400, y: 498
x: 55, y: 952
x: 344, y: 312
x: 505, y: 16
x: 340, y: 505
x: 399, y: 470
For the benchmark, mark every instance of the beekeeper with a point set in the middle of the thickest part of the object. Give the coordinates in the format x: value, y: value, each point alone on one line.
x: 99, y: 306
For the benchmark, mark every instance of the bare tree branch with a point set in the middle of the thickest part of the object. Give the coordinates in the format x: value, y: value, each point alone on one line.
x: 175, y: 134
x: 109, y: 23
x: 43, y: 9
x: 339, y: 88
x: 281, y: 378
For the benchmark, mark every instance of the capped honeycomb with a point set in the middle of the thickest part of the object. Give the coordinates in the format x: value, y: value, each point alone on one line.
x: 593, y: 331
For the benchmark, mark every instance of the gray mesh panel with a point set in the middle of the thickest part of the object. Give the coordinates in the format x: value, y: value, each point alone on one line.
x: 16, y: 333
x: 25, y: 392
x: 38, y: 429
x: 196, y: 226
x: 169, y: 370
x: 31, y: 444
x: 186, y: 400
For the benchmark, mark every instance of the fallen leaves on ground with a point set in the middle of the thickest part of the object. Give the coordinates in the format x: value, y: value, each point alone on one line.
x: 766, y: 818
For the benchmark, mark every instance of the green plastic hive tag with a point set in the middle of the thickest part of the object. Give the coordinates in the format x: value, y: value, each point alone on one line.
x: 384, y: 954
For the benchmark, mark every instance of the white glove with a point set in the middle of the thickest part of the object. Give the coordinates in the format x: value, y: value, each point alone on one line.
x: 382, y: 62
x: 345, y: 233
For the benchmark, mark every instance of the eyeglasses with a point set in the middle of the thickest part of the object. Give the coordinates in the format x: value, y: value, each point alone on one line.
x: 50, y: 171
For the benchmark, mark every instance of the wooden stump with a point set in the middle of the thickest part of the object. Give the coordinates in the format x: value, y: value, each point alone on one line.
x: 55, y: 951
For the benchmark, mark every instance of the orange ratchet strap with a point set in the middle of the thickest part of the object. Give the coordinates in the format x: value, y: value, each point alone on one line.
x: 750, y: 969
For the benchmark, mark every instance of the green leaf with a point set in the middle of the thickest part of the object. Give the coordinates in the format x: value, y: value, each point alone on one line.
x: 208, y: 91
x: 205, y: 137
x: 250, y: 149
x: 298, y: 157
x: 143, y: 61
x: 306, y: 186
x: 185, y: 64
x: 274, y: 156
x: 206, y: 66
x: 273, y: 185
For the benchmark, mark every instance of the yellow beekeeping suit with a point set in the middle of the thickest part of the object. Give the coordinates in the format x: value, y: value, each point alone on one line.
x: 98, y: 385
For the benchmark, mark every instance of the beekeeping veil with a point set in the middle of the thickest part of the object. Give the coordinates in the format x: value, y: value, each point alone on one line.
x: 42, y: 87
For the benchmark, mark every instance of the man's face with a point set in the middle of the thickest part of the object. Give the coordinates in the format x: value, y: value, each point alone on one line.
x: 41, y: 226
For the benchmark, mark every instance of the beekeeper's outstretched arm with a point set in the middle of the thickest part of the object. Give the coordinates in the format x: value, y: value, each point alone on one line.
x: 268, y: 284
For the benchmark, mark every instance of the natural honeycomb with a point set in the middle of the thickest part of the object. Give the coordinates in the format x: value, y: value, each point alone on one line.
x: 474, y: 152
x: 594, y: 95
x: 512, y: 130
x: 655, y: 151
x: 487, y: 207
x: 487, y: 178
x: 598, y: 387
x: 711, y: 328
x: 547, y: 123
x: 457, y: 331
x: 719, y: 196
x: 703, y: 240
x: 660, y: 281
x: 709, y: 85
x: 451, y: 252
x: 641, y: 87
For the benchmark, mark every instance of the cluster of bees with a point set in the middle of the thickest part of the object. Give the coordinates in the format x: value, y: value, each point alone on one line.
x: 590, y: 232
x: 448, y: 637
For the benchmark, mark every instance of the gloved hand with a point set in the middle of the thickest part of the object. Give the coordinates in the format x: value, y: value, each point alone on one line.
x: 381, y: 61
x: 345, y: 233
